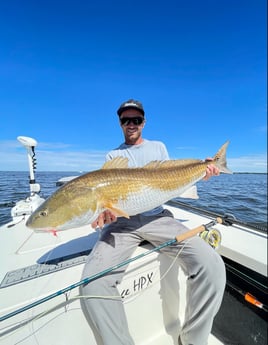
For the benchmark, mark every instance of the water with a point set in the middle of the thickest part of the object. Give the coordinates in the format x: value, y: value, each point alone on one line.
x: 242, y: 195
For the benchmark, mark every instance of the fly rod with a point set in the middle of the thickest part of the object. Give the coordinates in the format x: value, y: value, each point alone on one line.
x: 87, y: 280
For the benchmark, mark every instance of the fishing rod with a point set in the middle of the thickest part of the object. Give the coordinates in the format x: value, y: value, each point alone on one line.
x: 228, y: 219
x: 179, y: 238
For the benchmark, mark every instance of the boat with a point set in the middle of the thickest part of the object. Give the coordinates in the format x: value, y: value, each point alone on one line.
x: 40, y: 299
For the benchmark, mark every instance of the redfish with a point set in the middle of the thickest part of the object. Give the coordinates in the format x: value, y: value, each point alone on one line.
x: 122, y: 190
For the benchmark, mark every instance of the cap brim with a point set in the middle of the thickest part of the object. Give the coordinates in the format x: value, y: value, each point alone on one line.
x: 120, y: 110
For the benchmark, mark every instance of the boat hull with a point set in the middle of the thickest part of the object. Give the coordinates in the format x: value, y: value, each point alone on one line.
x: 37, y: 265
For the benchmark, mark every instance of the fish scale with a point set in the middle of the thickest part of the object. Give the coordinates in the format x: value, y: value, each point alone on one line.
x: 122, y: 190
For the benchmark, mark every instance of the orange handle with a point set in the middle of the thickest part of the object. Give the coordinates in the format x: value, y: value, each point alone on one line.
x: 253, y: 300
x: 190, y: 233
x: 196, y: 231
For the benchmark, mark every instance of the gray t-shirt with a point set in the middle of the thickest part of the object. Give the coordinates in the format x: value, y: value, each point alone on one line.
x: 140, y: 155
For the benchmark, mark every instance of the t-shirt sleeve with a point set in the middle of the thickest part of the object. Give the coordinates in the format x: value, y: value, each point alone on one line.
x: 165, y: 155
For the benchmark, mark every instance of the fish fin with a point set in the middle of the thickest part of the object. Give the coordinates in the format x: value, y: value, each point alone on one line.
x: 171, y: 163
x: 220, y: 159
x: 108, y: 205
x: 118, y: 212
x: 152, y: 165
x: 116, y: 163
x: 190, y: 193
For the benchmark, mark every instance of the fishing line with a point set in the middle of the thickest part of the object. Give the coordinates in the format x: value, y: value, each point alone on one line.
x: 33, y: 332
x: 68, y: 300
x: 39, y: 316
x: 135, y: 294
x: 179, y: 238
x: 46, y: 281
x: 183, y: 237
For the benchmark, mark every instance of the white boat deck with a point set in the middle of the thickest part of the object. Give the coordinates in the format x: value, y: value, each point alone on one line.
x: 153, y: 309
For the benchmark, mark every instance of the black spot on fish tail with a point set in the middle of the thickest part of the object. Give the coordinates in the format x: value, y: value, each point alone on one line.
x: 220, y: 159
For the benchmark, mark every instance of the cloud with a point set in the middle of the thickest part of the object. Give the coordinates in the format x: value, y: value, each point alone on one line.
x: 50, y: 157
x: 256, y: 163
x: 70, y: 160
x: 63, y: 157
x: 251, y: 163
x: 262, y: 129
x: 185, y: 148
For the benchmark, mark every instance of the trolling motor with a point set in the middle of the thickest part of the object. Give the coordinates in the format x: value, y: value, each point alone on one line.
x: 29, y: 144
x: 27, y: 206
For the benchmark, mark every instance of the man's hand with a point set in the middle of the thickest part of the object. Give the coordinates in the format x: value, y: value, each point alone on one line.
x: 212, y: 170
x: 106, y: 217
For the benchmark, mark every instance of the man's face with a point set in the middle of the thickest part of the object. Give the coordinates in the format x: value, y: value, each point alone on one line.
x: 132, y: 129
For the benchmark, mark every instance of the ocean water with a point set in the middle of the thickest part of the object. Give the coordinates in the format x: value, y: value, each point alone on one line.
x: 242, y: 195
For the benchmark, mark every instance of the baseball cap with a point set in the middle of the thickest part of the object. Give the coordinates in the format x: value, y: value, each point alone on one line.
x: 131, y: 103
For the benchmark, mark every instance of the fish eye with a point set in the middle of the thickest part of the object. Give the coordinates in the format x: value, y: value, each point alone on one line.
x: 43, y: 213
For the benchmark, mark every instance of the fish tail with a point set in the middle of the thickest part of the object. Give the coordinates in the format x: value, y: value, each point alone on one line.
x: 220, y: 159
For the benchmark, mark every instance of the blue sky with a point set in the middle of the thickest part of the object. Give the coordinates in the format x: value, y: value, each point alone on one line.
x: 198, y: 67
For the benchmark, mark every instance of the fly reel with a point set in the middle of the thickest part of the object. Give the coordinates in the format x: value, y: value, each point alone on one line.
x: 212, y: 237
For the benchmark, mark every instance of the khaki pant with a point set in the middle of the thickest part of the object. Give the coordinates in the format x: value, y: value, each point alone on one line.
x: 202, y: 265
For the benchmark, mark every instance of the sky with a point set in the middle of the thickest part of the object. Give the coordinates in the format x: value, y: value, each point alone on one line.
x: 198, y: 67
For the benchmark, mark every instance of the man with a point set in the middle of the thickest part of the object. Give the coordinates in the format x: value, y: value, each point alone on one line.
x: 118, y: 240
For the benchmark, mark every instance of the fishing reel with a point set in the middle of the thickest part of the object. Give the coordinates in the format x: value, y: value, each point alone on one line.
x: 212, y: 237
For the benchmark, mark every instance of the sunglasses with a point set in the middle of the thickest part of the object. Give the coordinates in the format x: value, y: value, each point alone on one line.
x: 125, y: 121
